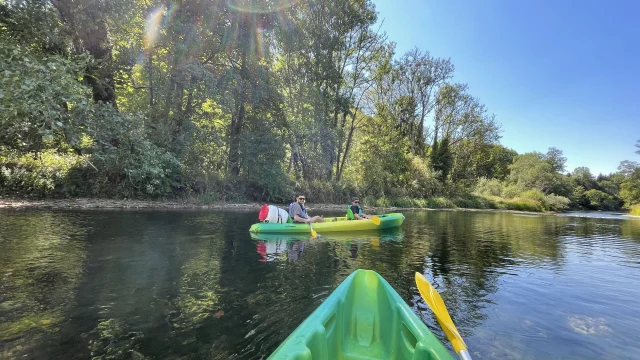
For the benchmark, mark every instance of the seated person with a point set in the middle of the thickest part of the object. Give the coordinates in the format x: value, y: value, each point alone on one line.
x: 299, y: 214
x: 355, y: 211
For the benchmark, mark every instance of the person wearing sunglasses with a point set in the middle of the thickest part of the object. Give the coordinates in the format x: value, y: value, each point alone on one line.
x: 355, y: 211
x: 299, y: 214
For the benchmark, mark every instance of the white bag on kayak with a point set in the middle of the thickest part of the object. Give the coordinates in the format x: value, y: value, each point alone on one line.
x: 273, y: 214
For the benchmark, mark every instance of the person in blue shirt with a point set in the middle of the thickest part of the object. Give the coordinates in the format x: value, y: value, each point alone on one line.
x: 356, y: 211
x: 299, y: 214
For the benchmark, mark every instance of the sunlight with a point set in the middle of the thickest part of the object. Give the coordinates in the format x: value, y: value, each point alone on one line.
x: 152, y: 27
x: 259, y: 6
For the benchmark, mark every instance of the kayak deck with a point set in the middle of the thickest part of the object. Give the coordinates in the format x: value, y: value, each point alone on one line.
x: 331, y: 224
x: 364, y: 318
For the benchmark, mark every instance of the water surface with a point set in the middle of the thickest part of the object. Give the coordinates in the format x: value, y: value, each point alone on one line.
x: 196, y: 285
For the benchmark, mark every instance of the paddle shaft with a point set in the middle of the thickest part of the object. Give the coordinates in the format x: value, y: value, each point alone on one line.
x: 313, y: 232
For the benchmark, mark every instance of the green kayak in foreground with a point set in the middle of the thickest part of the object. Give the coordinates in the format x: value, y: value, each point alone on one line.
x: 330, y: 224
x: 364, y: 318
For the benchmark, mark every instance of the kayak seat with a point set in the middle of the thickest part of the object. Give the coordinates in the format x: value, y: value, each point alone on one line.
x: 350, y: 215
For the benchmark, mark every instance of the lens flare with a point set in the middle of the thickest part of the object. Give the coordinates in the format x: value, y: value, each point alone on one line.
x: 259, y: 6
x: 259, y: 42
x: 152, y: 27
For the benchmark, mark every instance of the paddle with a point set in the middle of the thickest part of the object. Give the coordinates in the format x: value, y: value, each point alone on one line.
x: 314, y: 234
x: 433, y: 299
x: 375, y: 219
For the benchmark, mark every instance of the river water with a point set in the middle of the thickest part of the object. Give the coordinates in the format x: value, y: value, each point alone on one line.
x: 196, y: 285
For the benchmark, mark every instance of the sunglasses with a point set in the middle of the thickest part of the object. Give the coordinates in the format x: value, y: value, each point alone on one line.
x: 356, y: 202
x: 303, y: 199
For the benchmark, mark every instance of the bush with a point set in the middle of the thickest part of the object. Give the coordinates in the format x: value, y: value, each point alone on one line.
x: 533, y: 194
x: 510, y: 191
x: 520, y: 204
x: 37, y: 174
x: 490, y: 187
x: 423, y: 181
x: 635, y: 210
x: 128, y: 162
x: 440, y: 203
x: 475, y: 202
x: 554, y: 202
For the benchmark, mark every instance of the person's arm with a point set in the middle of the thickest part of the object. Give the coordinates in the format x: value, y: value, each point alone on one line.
x: 354, y: 210
x: 299, y: 219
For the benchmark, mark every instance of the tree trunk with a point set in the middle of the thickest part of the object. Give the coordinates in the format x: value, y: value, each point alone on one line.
x: 94, y: 39
x: 237, y: 121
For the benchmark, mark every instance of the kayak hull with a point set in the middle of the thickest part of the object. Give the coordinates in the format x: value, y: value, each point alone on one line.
x: 364, y: 318
x: 334, y: 224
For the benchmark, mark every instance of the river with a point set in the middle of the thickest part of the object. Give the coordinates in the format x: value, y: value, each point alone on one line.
x: 195, y: 284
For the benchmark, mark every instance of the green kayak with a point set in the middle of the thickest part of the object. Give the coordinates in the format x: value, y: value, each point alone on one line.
x: 364, y: 318
x: 330, y: 224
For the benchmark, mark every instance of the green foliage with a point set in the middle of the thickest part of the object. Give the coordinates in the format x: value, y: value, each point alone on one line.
x: 219, y: 103
x: 422, y: 181
x: 37, y: 174
x: 581, y: 176
x: 475, y: 202
x: 599, y: 200
x: 510, y: 191
x: 635, y: 210
x: 492, y: 161
x: 36, y: 95
x: 533, y: 194
x: 554, y: 202
x: 555, y: 159
x: 630, y: 187
x: 520, y: 204
x: 531, y: 171
x: 127, y: 161
x: 490, y: 187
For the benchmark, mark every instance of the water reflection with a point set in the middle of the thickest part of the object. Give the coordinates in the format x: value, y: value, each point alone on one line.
x: 290, y: 247
x: 40, y: 267
x: 187, y: 285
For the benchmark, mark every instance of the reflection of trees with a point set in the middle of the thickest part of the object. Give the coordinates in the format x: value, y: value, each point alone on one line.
x: 40, y: 268
x: 464, y: 255
x: 265, y: 301
x: 630, y: 229
x: 130, y: 275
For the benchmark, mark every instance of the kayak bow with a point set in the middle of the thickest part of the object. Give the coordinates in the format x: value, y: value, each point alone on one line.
x: 363, y: 318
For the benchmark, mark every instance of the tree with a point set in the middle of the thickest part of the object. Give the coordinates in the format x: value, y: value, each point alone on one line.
x: 630, y: 188
x: 555, y: 159
x: 492, y: 161
x: 600, y: 200
x: 532, y: 171
x: 419, y: 76
x: 581, y: 176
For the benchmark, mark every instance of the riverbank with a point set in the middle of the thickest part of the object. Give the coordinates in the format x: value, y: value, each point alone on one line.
x: 132, y: 204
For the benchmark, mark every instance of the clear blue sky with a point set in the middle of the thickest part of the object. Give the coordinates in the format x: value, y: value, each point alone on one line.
x: 555, y: 73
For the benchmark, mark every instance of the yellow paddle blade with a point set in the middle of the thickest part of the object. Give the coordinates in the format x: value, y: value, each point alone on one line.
x: 433, y: 299
x: 375, y: 219
x: 314, y: 234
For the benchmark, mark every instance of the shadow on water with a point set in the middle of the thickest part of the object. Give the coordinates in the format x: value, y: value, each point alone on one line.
x: 198, y: 285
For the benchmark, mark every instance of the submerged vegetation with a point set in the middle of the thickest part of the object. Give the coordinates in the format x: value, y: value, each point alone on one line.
x: 232, y: 101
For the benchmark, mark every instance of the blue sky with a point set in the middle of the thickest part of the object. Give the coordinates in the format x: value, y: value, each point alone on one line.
x: 555, y: 73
